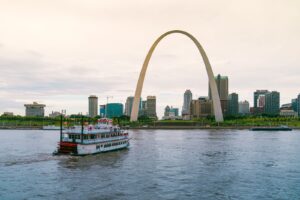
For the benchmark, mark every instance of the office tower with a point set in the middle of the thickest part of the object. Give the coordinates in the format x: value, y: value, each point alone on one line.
x: 114, y: 110
x: 171, y: 113
x: 222, y: 85
x: 128, y: 105
x: 174, y: 111
x: 151, y: 107
x: 261, y: 101
x: 34, y: 110
x: 93, y: 106
x: 272, y: 103
x: 167, y: 111
x: 187, y: 98
x: 256, y: 95
x: 102, y: 110
x: 201, y: 107
x: 233, y: 104
x: 143, y: 108
x: 295, y: 104
x: 244, y: 108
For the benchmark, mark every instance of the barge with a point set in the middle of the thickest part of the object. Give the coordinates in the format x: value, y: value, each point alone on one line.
x: 279, y: 128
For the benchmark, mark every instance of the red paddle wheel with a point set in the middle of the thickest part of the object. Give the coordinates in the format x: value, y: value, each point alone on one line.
x: 67, y: 148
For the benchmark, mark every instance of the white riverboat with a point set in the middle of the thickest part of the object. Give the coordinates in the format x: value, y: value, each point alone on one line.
x: 92, y: 139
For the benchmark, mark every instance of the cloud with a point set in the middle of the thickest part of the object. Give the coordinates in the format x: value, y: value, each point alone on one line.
x: 60, y: 52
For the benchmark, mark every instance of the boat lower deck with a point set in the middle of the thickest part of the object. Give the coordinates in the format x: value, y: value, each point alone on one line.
x: 70, y: 148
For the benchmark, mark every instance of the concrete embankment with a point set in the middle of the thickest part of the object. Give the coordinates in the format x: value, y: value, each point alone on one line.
x: 197, y: 127
x: 21, y: 127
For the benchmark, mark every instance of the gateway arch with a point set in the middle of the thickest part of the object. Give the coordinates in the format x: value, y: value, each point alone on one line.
x: 214, y: 91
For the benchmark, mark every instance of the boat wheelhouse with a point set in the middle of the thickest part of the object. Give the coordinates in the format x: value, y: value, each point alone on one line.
x: 92, y: 139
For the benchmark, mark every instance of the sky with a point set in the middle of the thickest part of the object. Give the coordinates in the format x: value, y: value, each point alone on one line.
x: 58, y: 52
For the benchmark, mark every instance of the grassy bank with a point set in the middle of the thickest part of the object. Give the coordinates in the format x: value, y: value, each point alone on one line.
x: 238, y: 122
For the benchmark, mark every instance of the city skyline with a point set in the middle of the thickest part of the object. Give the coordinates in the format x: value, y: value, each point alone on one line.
x: 242, y: 48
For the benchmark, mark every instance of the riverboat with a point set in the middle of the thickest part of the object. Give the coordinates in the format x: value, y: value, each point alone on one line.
x: 92, y: 139
x: 279, y: 128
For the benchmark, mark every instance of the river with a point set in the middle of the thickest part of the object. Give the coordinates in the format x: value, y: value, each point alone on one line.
x: 160, y: 164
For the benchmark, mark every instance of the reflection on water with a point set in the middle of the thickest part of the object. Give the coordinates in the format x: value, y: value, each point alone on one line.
x: 111, y: 159
x: 160, y: 164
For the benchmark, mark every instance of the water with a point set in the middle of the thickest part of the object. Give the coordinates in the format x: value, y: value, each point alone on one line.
x: 160, y: 164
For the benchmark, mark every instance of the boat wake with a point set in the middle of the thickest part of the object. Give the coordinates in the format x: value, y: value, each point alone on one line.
x: 29, y: 160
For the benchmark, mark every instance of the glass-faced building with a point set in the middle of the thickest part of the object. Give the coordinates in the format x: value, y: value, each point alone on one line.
x: 187, y: 98
x: 233, y: 104
x: 128, y: 105
x: 102, y: 110
x: 114, y: 110
x: 222, y: 86
x: 272, y: 103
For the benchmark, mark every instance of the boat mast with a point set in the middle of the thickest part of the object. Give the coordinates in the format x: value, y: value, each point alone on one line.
x: 61, y: 119
x: 81, y: 129
x: 61, y: 124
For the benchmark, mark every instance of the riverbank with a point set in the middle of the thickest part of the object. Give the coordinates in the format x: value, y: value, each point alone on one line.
x: 202, y: 128
x: 20, y: 128
x: 159, y: 128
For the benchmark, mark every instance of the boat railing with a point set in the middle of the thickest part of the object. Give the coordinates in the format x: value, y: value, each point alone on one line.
x: 92, y: 141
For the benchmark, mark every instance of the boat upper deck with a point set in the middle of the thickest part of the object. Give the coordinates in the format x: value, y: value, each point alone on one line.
x: 89, y: 130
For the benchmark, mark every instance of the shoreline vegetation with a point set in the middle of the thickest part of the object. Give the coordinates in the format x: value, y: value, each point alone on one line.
x: 240, y: 122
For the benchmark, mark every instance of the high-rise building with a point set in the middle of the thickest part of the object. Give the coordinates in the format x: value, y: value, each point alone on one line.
x: 201, y: 107
x: 151, y: 107
x: 272, y: 103
x: 256, y: 96
x: 244, y: 108
x: 167, y: 111
x: 114, y: 110
x: 128, y: 105
x: 187, y: 98
x: 93, y: 106
x: 143, y: 108
x: 295, y: 104
x: 222, y: 86
x: 35, y: 110
x: 261, y: 101
x: 233, y: 104
x: 102, y: 110
x: 171, y: 113
x: 174, y: 111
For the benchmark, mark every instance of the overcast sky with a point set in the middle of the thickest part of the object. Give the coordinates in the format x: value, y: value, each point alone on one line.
x: 58, y: 52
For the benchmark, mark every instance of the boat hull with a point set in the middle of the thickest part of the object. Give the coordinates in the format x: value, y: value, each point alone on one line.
x: 98, y: 148
x: 76, y: 149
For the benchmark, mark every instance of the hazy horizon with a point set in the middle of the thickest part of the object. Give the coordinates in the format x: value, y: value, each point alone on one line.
x: 60, y: 52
